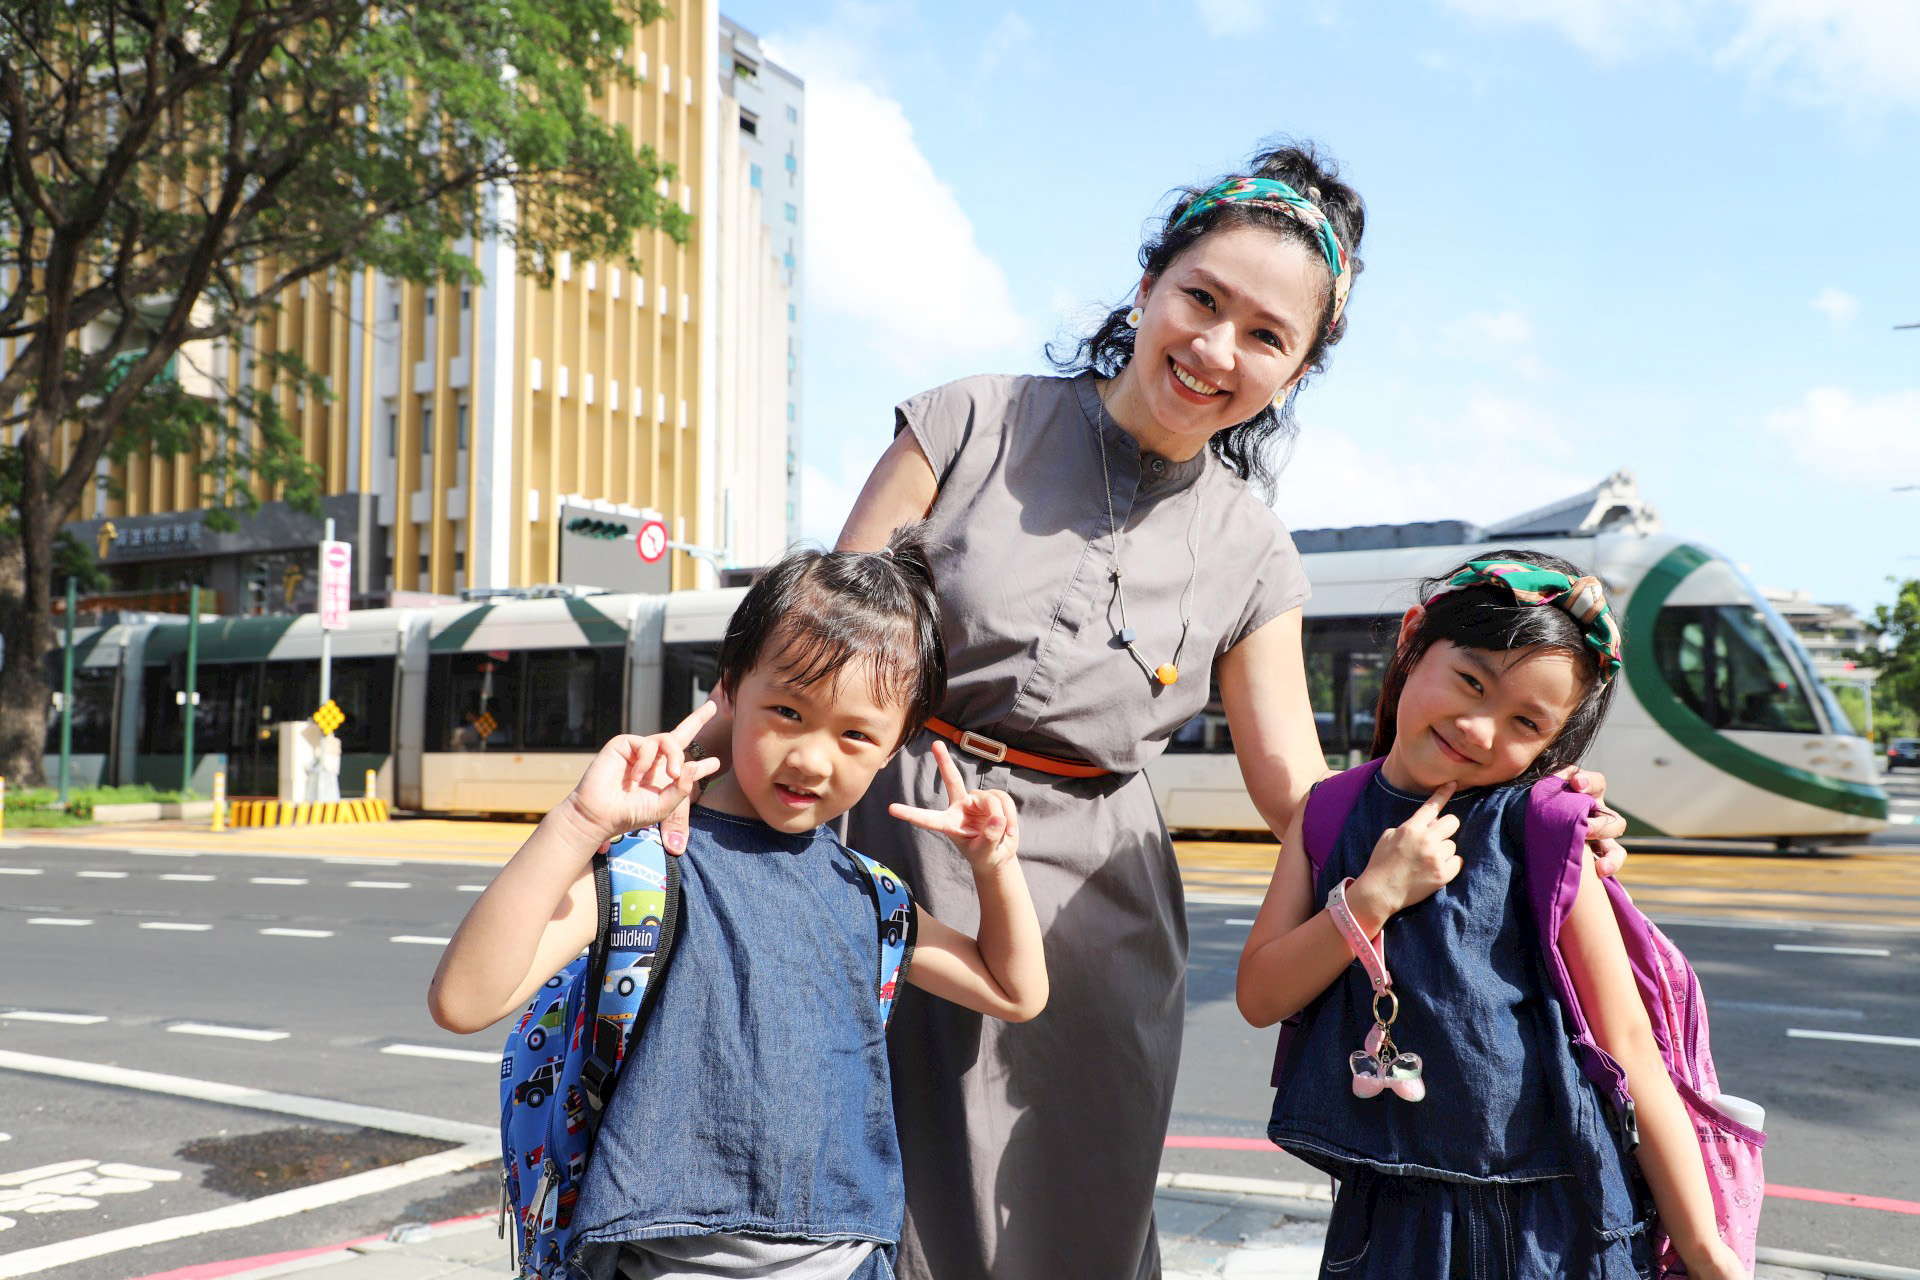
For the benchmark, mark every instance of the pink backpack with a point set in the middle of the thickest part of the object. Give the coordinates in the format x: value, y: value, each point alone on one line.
x: 1556, y: 834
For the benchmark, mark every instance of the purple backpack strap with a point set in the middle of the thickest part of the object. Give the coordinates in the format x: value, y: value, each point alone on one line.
x: 1329, y: 805
x: 1556, y: 837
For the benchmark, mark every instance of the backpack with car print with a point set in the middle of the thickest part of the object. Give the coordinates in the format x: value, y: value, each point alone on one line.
x: 564, y: 1054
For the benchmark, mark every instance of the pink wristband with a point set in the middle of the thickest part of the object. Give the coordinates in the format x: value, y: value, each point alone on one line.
x: 1373, y: 960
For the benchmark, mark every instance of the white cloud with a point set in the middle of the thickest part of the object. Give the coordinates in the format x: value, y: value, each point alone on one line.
x: 1841, y: 307
x: 890, y: 249
x: 1861, y: 55
x: 1436, y: 469
x: 1871, y: 443
x: 1231, y: 17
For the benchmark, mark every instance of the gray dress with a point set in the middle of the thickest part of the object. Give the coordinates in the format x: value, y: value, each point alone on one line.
x: 1031, y: 1150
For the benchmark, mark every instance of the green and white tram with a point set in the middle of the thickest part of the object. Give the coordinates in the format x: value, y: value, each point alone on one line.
x: 1719, y: 729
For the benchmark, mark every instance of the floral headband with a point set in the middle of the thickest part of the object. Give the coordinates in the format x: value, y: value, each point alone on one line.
x: 1282, y: 198
x: 1583, y: 598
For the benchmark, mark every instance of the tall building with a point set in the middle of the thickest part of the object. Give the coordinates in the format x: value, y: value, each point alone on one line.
x: 463, y: 419
x: 770, y: 129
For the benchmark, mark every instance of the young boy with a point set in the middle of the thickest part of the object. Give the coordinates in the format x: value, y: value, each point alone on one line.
x: 752, y: 1133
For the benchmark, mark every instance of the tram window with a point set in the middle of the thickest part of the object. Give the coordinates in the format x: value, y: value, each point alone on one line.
x: 1729, y: 667
x: 363, y: 687
x: 165, y: 722
x: 692, y: 671
x: 92, y: 713
x: 1346, y: 661
x: 473, y: 701
x: 1207, y: 733
x: 576, y: 698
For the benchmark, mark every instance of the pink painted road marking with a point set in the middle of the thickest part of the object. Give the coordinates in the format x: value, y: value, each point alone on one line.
x: 234, y: 1266
x: 1848, y: 1199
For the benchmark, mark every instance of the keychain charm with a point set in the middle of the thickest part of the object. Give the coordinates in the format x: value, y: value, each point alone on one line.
x: 1378, y: 1064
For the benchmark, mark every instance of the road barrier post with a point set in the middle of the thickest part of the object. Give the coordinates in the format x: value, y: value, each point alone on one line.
x: 220, y: 800
x: 373, y: 791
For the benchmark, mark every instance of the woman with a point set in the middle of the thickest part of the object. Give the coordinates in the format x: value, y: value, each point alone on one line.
x: 1103, y: 547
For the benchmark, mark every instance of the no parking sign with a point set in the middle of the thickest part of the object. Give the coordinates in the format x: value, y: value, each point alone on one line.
x: 336, y: 584
x: 651, y: 541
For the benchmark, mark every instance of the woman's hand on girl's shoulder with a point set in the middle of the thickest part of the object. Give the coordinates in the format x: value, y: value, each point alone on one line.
x: 637, y: 781
x: 1606, y: 827
x: 983, y: 825
x: 1410, y: 863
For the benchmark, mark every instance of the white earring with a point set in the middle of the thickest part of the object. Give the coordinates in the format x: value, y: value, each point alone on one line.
x: 1133, y: 318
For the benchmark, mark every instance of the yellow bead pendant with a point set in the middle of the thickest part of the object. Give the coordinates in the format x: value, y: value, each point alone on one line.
x: 1167, y: 673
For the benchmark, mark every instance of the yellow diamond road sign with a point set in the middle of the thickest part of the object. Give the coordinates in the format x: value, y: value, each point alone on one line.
x: 486, y: 724
x: 329, y: 717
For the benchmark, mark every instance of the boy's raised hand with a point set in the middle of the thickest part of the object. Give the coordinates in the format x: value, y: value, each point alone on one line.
x: 1412, y: 861
x: 982, y: 823
x: 637, y: 781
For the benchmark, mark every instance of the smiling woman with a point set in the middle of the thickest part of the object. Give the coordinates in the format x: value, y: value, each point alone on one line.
x: 1102, y: 549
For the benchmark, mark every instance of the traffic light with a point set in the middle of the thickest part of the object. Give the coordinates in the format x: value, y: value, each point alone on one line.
x: 606, y: 530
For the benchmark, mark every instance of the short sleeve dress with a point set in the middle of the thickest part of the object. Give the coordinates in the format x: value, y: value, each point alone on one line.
x: 1031, y: 1150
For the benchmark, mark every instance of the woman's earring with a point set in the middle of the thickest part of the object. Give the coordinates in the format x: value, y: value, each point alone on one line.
x: 1133, y: 318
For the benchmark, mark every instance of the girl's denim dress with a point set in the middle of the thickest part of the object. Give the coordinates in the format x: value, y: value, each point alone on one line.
x: 1509, y: 1168
x: 756, y: 1098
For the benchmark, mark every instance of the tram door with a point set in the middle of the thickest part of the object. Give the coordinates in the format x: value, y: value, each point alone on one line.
x: 265, y: 695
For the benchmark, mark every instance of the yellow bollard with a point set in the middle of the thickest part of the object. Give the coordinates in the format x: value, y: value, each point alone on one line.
x: 220, y: 800
x: 373, y: 791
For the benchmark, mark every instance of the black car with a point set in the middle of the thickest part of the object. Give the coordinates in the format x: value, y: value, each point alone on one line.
x: 1903, y: 753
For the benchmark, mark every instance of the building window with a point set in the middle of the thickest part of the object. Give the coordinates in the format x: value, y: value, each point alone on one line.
x: 788, y: 259
x: 749, y: 124
x: 793, y: 411
x: 744, y: 69
x: 393, y: 435
x: 466, y: 299
x: 793, y: 212
x: 793, y: 313
x: 753, y: 180
x: 793, y: 115
x: 430, y: 292
x: 460, y: 423
x: 426, y: 430
x: 792, y: 164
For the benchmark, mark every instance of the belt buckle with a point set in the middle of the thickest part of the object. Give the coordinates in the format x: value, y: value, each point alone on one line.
x: 986, y: 748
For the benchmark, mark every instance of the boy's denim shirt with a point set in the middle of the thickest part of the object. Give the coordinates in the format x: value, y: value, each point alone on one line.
x: 756, y: 1098
x: 1506, y: 1101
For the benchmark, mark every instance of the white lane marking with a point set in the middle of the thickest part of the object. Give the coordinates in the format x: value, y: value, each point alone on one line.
x: 230, y: 1033
x: 1833, y: 951
x: 421, y: 939
x: 1904, y: 819
x: 435, y: 1051
x: 1786, y: 1010
x: 1225, y: 899
x: 63, y: 920
x: 472, y: 888
x: 1239, y: 920
x: 19, y: 871
x: 296, y: 933
x: 1853, y: 1037
x: 162, y: 853
x: 290, y: 1104
x: 68, y: 1019
x: 265, y: 1209
x: 363, y: 862
x: 176, y: 925
x: 101, y: 875
x: 378, y: 884
x: 276, y: 880
x: 187, y: 875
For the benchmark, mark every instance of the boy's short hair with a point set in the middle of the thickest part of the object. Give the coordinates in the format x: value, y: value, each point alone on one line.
x: 824, y: 610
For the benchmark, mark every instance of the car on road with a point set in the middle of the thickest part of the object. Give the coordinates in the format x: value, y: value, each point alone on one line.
x: 1903, y: 753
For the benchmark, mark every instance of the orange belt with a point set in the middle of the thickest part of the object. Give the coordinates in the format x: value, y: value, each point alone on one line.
x: 976, y: 744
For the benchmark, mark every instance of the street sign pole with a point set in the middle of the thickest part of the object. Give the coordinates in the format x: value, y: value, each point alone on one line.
x: 326, y: 632
x: 190, y: 705
x: 66, y: 697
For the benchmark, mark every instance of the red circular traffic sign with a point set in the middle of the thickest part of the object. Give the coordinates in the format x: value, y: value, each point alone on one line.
x: 651, y: 541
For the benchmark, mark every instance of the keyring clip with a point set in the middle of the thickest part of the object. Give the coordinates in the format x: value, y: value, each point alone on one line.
x: 1388, y: 995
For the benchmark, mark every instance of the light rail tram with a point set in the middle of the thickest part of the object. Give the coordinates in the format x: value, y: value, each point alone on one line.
x: 1719, y: 729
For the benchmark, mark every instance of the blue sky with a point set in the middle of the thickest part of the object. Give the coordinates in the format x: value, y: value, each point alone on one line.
x: 1671, y: 236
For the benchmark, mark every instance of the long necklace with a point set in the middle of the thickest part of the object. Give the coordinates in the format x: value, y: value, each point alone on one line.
x: 1167, y: 672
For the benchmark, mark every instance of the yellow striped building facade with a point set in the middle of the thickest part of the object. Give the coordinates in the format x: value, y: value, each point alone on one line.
x: 463, y: 417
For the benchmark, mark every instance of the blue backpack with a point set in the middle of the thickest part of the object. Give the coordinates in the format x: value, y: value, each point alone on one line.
x: 563, y: 1057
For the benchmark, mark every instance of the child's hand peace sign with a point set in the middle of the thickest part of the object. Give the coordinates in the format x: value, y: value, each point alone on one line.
x: 982, y: 824
x: 635, y: 782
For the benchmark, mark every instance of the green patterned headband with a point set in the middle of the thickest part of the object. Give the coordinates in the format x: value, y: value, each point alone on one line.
x: 1282, y: 198
x: 1583, y: 598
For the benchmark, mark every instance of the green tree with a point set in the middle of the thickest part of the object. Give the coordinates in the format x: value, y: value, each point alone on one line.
x: 1895, y: 653
x: 170, y: 169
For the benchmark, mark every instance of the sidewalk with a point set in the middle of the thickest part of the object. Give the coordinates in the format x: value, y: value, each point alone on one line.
x: 1231, y: 1228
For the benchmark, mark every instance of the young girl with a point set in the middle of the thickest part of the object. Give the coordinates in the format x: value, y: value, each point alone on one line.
x: 752, y: 1132
x: 1481, y: 1150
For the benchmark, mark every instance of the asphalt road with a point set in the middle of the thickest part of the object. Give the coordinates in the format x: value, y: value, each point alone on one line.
x: 305, y: 976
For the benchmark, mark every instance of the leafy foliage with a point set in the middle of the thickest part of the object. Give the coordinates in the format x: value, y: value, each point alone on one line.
x: 1895, y: 629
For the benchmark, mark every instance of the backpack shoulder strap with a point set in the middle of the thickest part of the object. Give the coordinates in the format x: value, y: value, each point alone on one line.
x: 1556, y: 837
x: 1328, y: 806
x: 636, y: 863
x: 899, y: 926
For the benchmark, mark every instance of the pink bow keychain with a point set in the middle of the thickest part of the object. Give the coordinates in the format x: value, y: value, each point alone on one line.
x: 1379, y: 1065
